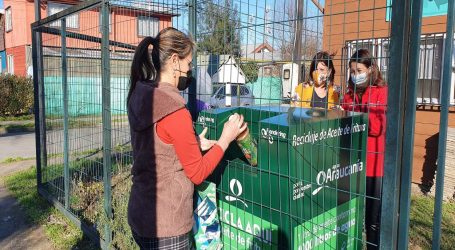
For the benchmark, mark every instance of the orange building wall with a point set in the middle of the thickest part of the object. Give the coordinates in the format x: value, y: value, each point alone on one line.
x: 18, y: 35
x: 19, y: 59
x: 23, y: 15
x: 346, y: 20
x: 124, y: 29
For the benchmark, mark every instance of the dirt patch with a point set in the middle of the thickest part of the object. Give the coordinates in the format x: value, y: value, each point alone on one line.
x: 15, y: 231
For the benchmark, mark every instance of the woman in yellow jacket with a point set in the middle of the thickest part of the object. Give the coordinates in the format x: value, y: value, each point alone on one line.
x: 319, y: 91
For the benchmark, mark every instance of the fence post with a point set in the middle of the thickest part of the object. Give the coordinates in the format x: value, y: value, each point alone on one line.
x: 66, y: 171
x: 400, y: 25
x: 106, y: 102
x: 409, y: 123
x: 38, y: 89
x: 445, y: 102
x: 36, y: 108
x: 192, y: 90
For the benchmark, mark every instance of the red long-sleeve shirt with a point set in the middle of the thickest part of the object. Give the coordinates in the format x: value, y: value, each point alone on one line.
x: 373, y: 102
x: 177, y: 129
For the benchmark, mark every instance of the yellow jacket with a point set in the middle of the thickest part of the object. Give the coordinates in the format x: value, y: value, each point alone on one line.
x: 306, y: 93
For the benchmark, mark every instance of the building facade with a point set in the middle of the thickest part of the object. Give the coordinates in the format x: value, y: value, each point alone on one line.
x: 368, y: 26
x: 129, y: 24
x: 2, y: 42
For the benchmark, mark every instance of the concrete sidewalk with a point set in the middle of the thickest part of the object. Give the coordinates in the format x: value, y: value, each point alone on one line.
x: 15, y: 231
x: 17, y: 145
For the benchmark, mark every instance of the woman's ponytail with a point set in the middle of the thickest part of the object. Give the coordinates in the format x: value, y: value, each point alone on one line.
x: 142, y: 67
x: 147, y: 67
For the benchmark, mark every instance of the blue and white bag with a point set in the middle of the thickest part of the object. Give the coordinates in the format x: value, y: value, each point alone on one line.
x: 206, y: 230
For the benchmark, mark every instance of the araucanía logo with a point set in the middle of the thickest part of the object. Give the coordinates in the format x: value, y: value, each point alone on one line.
x: 236, y: 189
x: 334, y: 173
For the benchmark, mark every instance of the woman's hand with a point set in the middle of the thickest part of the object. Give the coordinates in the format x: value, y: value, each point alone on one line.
x: 204, y: 143
x: 232, y: 128
x: 337, y: 107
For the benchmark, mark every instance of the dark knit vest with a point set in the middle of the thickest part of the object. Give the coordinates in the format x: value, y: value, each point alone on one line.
x: 161, y: 199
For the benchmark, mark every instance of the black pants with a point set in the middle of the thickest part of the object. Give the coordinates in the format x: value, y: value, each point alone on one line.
x: 181, y: 242
x: 373, y: 211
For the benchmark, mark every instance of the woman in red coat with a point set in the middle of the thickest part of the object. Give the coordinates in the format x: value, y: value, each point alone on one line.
x: 367, y: 93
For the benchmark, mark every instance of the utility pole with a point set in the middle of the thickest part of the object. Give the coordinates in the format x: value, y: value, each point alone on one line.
x: 297, y: 58
x: 267, y: 29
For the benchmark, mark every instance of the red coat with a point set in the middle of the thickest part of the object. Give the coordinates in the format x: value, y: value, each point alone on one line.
x: 374, y: 102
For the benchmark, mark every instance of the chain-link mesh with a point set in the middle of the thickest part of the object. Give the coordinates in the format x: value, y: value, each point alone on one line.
x: 304, y: 180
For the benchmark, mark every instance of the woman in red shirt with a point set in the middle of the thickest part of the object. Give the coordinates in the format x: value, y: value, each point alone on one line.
x: 367, y: 93
x: 167, y: 159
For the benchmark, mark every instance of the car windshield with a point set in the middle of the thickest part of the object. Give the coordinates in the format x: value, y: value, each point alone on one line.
x: 243, y: 90
x: 234, y: 90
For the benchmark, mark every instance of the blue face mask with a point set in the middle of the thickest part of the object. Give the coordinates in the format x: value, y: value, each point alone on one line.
x: 360, y: 78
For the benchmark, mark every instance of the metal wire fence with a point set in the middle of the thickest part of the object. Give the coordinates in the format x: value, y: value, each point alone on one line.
x: 308, y: 188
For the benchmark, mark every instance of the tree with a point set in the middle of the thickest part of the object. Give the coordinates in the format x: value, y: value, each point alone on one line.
x: 218, y: 27
x: 285, y: 34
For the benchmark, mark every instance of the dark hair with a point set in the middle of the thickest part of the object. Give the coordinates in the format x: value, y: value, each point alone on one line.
x: 167, y: 42
x: 364, y: 57
x: 327, y: 59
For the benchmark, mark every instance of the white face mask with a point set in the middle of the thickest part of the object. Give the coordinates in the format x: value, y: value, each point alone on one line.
x: 322, y: 78
x: 360, y: 78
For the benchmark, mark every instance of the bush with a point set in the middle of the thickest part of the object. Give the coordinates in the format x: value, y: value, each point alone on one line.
x: 88, y: 201
x: 16, y: 95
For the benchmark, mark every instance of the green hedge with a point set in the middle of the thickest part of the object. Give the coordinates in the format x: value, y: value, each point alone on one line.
x: 16, y: 95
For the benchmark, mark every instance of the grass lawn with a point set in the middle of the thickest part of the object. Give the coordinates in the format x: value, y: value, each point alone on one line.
x: 421, y: 223
x: 62, y: 233
x: 16, y: 159
x: 65, y: 235
x: 17, y: 118
x: 11, y: 128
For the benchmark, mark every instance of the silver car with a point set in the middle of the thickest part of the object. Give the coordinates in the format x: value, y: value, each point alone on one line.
x: 218, y: 99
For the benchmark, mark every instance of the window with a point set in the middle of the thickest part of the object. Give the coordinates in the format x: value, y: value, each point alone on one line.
x: 9, y: 20
x: 110, y: 22
x: 287, y: 74
x: 244, y: 91
x: 221, y: 93
x: 147, y: 26
x: 71, y: 21
x: 362, y: 44
x: 430, y: 68
x: 431, y: 55
x: 430, y: 58
x: 430, y: 65
x: 10, y: 64
x: 383, y: 59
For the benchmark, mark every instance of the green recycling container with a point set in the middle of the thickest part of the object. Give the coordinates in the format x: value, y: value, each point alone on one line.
x: 307, y: 191
x: 214, y: 120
